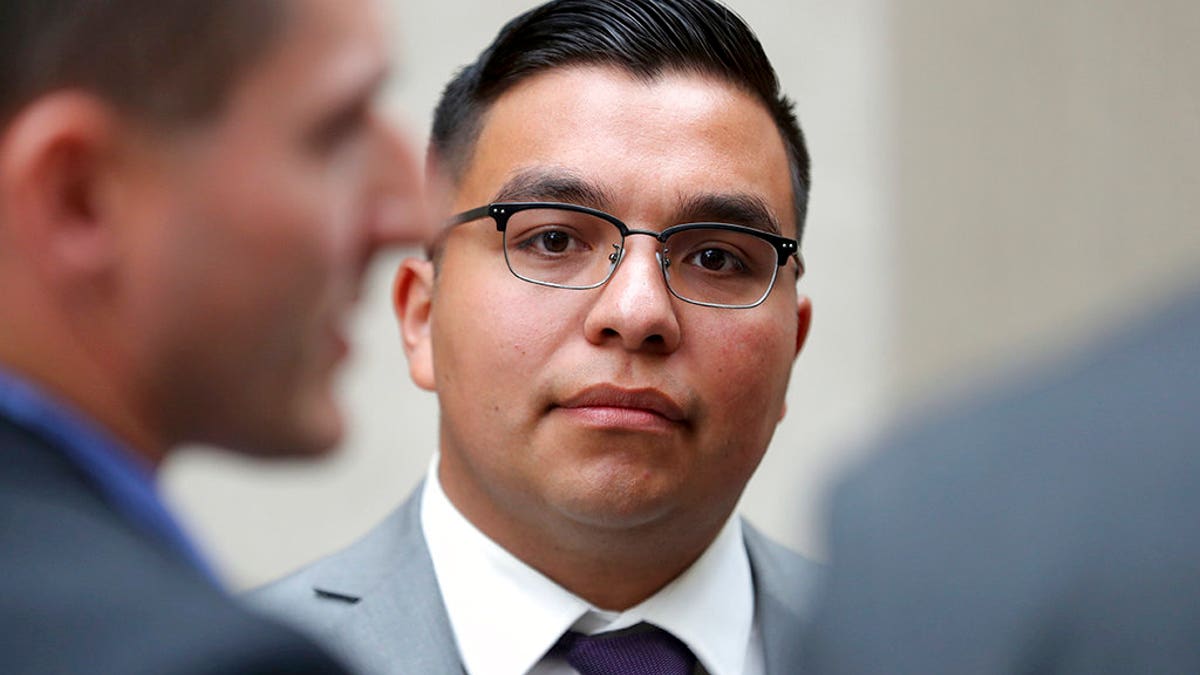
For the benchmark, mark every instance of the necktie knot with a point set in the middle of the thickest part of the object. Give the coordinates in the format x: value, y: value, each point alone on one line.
x: 639, y: 650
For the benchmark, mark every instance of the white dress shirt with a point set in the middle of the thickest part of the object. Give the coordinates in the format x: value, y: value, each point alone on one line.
x: 506, y: 615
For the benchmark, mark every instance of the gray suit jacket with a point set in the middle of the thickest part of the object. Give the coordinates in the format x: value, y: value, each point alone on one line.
x: 377, y: 604
x: 1053, y: 527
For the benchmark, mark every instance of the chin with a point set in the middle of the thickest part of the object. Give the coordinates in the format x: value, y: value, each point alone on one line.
x: 309, y: 432
x: 619, y: 502
x: 321, y: 434
x: 617, y: 516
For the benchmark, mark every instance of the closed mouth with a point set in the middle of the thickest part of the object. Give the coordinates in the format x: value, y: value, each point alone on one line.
x: 606, y: 396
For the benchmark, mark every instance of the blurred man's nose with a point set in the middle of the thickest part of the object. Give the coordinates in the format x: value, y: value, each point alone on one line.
x: 401, y: 214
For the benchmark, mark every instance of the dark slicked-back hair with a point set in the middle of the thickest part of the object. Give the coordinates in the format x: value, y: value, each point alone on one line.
x: 643, y: 37
x: 169, y: 61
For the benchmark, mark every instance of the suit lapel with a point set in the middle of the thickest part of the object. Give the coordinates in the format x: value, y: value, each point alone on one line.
x: 394, y: 615
x: 398, y: 623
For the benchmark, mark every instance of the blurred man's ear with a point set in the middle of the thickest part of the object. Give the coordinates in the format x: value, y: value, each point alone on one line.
x: 55, y: 161
x: 412, y: 299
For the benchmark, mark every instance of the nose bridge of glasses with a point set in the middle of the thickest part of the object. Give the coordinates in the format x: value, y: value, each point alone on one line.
x: 659, y: 241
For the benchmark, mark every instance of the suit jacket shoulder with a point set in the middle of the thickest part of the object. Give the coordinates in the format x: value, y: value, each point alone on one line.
x: 375, y: 604
x: 784, y: 583
x: 1048, y: 526
x: 83, y: 591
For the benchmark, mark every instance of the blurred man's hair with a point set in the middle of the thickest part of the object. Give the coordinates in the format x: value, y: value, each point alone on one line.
x: 166, y: 61
x: 643, y: 37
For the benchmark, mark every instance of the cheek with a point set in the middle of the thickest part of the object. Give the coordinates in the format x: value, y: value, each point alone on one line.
x: 499, y: 331
x: 496, y: 342
x: 749, y: 368
x: 302, y: 252
x: 290, y: 205
x: 268, y: 271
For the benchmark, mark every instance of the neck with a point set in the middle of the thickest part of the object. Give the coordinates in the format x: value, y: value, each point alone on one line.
x: 613, y: 568
x: 69, y: 367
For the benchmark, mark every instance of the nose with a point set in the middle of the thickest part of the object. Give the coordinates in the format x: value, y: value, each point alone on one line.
x: 634, y: 308
x: 399, y: 214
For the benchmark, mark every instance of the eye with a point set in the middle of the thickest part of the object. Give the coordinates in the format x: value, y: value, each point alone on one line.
x: 551, y: 242
x: 555, y: 241
x: 717, y: 260
x: 341, y: 128
x: 713, y: 259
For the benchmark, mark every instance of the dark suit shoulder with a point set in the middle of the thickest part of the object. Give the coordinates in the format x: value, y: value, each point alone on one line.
x: 1047, y: 523
x: 1110, y: 432
x: 85, y: 592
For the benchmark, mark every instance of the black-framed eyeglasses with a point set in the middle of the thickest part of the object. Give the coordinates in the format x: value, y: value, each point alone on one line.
x: 576, y: 247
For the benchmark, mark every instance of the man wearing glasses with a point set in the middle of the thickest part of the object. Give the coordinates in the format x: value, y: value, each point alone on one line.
x: 609, y: 320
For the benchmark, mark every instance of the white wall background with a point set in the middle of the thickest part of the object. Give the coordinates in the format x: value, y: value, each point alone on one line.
x: 994, y: 180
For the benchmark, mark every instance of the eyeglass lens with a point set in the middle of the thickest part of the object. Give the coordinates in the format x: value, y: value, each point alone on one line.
x: 570, y: 249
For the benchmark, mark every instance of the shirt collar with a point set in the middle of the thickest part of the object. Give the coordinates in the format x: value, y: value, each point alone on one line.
x: 718, y: 584
x: 124, y: 480
x: 506, y: 615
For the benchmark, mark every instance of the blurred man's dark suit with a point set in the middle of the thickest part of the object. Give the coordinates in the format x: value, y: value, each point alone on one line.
x: 83, y: 590
x: 1052, y: 528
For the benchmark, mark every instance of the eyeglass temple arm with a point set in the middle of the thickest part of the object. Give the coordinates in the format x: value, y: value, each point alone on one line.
x: 800, y: 268
x: 467, y: 216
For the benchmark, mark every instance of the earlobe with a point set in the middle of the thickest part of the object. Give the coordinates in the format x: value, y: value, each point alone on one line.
x: 412, y: 300
x: 53, y: 163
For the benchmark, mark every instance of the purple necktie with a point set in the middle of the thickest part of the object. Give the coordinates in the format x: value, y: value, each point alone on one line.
x: 639, y: 650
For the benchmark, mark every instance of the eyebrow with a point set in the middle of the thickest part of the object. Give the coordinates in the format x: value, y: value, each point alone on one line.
x: 553, y: 185
x: 737, y: 209
x: 556, y: 184
x: 346, y: 108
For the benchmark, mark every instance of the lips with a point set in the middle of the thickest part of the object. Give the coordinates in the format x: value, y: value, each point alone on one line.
x: 605, y: 396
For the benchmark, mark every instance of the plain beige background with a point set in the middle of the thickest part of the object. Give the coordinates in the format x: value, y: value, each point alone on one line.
x: 996, y: 182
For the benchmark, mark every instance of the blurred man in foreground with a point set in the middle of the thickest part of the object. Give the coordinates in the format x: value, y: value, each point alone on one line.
x: 189, y: 194
x: 1050, y: 528
x: 609, y: 321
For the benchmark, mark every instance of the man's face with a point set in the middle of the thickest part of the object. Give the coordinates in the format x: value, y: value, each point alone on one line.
x: 619, y: 406
x: 251, y: 234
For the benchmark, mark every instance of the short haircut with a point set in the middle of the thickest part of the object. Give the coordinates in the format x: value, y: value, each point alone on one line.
x: 165, y: 61
x: 643, y: 37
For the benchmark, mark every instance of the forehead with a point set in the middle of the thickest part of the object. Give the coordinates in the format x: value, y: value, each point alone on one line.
x: 326, y: 50
x: 648, y: 144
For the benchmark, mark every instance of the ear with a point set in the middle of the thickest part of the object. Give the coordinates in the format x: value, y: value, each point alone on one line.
x: 803, y: 322
x: 412, y: 300
x: 56, y: 158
